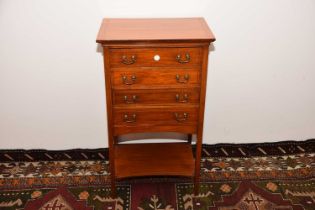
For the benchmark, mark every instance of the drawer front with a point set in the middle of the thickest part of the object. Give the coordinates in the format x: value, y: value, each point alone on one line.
x: 152, y: 78
x: 171, y: 96
x: 151, y: 57
x: 155, y: 117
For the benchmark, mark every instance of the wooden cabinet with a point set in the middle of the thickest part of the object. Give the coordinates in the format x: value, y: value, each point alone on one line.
x: 155, y: 76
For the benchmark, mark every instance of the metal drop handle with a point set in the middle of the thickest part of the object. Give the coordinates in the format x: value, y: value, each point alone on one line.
x: 130, y: 81
x: 181, y: 118
x: 182, y: 80
x: 130, y: 119
x: 132, y: 100
x: 183, y: 99
x: 128, y: 61
x: 180, y: 60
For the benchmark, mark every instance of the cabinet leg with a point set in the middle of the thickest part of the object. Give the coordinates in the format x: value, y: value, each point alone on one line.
x: 189, y: 138
x: 197, y: 166
x: 113, y: 187
x: 196, y: 185
x: 112, y: 144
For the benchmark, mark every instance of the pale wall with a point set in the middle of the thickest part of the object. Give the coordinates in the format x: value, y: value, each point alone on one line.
x: 260, y: 83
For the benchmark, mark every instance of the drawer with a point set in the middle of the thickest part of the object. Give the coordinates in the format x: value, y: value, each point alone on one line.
x: 150, y: 57
x: 155, y: 117
x: 170, y: 96
x: 153, y: 78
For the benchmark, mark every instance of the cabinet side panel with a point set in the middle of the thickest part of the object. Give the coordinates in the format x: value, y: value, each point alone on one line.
x: 111, y: 140
x: 203, y: 79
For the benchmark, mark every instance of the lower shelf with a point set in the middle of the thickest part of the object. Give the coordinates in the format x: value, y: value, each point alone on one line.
x: 158, y: 159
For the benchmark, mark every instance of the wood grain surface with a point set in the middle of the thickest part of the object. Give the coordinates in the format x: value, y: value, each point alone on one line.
x: 154, y: 160
x: 154, y: 29
x: 176, y: 97
x: 144, y: 57
x: 155, y: 78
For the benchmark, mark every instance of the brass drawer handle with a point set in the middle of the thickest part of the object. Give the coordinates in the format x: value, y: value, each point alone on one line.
x: 127, y: 61
x: 180, y: 60
x: 130, y: 81
x: 130, y: 119
x: 182, y: 80
x: 183, y: 99
x: 132, y: 100
x: 181, y: 118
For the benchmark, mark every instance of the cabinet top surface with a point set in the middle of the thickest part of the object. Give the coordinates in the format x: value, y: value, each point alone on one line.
x: 154, y: 29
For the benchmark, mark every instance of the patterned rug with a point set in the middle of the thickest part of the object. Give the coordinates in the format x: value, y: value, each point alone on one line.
x: 269, y: 176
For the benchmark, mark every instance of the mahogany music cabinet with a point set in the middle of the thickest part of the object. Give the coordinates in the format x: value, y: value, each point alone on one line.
x: 155, y: 76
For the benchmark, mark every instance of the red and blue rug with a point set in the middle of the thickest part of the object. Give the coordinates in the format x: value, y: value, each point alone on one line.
x: 270, y: 176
